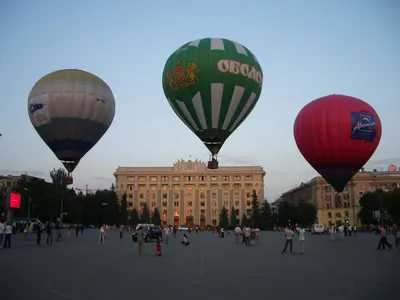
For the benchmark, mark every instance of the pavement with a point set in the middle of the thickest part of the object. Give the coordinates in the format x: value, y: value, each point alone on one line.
x: 209, y: 268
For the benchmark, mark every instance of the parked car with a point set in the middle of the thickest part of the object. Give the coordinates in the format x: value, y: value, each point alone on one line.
x: 317, y: 229
x: 183, y: 228
x: 149, y: 233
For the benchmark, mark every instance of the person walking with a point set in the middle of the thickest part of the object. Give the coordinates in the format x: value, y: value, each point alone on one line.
x: 288, y: 239
x: 2, y: 232
x: 302, y: 239
x: 140, y: 240
x: 8, y: 233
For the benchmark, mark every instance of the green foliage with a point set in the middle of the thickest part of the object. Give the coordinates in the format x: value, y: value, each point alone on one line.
x: 223, y: 218
x: 245, y: 221
x: 266, y: 221
x: 304, y: 214
x: 123, y: 210
x: 255, y: 211
x: 58, y: 176
x: 387, y: 203
x: 134, y: 217
x: 145, y: 216
x: 156, y: 219
x: 234, y: 221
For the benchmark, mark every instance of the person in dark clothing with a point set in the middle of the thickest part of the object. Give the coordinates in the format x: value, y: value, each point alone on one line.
x: 38, y: 234
x: 49, y: 239
x: 77, y: 230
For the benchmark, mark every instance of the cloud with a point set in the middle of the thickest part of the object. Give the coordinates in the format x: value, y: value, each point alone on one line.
x: 103, y: 178
x: 237, y: 160
x: 36, y: 173
x: 385, y: 161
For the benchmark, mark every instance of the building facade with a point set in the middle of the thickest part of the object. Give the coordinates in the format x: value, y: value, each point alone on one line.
x: 336, y: 208
x: 189, y: 193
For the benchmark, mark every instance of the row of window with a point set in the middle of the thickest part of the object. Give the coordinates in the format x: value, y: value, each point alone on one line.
x: 338, y: 204
x: 338, y: 214
x: 236, y: 187
x: 191, y: 178
x: 188, y: 203
x: 176, y: 195
x: 189, y: 213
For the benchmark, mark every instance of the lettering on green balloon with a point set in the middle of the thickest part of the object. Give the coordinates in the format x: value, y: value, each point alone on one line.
x: 237, y: 68
x: 182, y: 76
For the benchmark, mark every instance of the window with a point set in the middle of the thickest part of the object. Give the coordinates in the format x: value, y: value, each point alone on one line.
x: 249, y: 177
x: 328, y: 206
x: 153, y: 204
x: 202, y: 212
x: 188, y: 178
x: 176, y: 195
x: 164, y: 178
x: 237, y: 194
x: 248, y: 212
x: 214, y: 203
x: 141, y: 196
x: 225, y: 178
x: 214, y: 222
x: 164, y: 213
x: 214, y: 178
x: 131, y: 177
x: 130, y: 203
x: 202, y: 203
x: 165, y: 195
x: 248, y: 195
x: 189, y: 213
x: 176, y: 203
x: 237, y: 177
x: 237, y: 212
x: 214, y: 212
x: 142, y: 203
x: 338, y: 215
x: 130, y: 196
x: 165, y: 203
x: 142, y: 178
x: 346, y: 213
x: 226, y: 203
x: 202, y: 178
x: 236, y: 203
x: 248, y: 202
x: 176, y: 178
x: 329, y: 215
x: 214, y: 195
x: 190, y: 203
x: 153, y: 178
x: 327, y: 189
x: 130, y: 188
x: 202, y: 195
x: 153, y: 195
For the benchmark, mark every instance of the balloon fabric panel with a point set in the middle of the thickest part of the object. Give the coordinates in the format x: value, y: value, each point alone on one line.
x: 204, y: 86
x: 324, y: 135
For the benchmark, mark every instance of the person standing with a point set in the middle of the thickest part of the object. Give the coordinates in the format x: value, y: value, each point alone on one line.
x: 302, y: 239
x: 288, y: 239
x: 140, y: 240
x: 49, y: 239
x: 2, y: 231
x: 166, y: 234
x: 38, y: 230
x: 8, y: 233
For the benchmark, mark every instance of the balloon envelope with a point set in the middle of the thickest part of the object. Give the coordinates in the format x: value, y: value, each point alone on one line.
x: 71, y: 110
x: 337, y: 135
x: 212, y: 84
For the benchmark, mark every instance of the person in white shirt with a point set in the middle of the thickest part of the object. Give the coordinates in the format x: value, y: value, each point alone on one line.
x: 8, y: 233
x: 288, y: 239
x: 238, y: 233
x: 166, y: 233
x: 2, y: 229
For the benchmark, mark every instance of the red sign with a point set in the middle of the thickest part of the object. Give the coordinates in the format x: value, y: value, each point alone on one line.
x: 392, y: 168
x: 15, y: 200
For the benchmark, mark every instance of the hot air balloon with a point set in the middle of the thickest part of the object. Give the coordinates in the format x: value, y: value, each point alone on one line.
x: 212, y: 84
x: 337, y: 135
x: 71, y: 110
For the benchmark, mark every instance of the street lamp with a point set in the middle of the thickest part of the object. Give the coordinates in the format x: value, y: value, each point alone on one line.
x: 29, y: 201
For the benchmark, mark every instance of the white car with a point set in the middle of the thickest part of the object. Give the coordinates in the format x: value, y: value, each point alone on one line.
x: 183, y: 228
x: 317, y: 229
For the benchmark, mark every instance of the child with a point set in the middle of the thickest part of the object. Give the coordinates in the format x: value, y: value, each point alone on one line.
x: 158, y: 248
x: 185, y: 240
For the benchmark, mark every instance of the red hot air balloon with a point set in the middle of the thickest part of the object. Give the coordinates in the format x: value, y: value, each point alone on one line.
x: 337, y: 135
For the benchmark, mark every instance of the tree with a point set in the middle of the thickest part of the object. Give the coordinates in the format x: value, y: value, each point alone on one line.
x: 223, y: 218
x: 145, y: 216
x: 306, y: 214
x: 286, y: 214
x: 266, y: 215
x: 134, y: 217
x: 245, y: 221
x: 255, y: 211
x: 391, y: 202
x: 123, y: 210
x: 234, y: 221
x: 156, y: 219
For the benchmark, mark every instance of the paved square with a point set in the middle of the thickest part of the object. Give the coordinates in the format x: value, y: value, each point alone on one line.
x: 210, y: 268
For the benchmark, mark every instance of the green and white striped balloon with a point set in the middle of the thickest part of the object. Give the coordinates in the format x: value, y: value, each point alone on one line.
x: 212, y: 84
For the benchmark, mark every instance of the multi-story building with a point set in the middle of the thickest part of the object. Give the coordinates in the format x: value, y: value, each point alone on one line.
x: 336, y: 208
x: 188, y: 192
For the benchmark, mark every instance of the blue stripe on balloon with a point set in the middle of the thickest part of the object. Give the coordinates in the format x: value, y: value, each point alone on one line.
x: 71, y: 145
